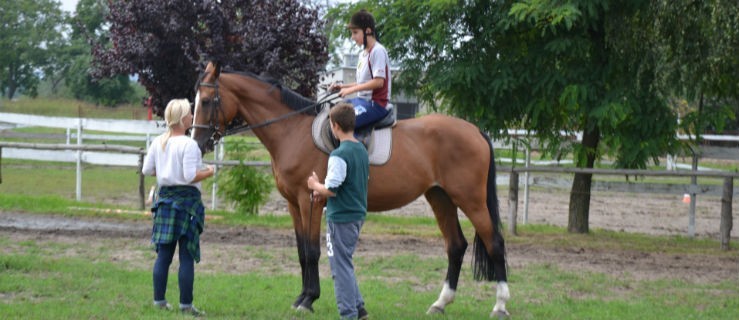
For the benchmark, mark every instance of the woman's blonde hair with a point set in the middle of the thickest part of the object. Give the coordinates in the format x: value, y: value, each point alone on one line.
x: 176, y: 110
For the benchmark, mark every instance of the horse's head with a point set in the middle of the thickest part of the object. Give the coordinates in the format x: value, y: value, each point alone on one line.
x: 209, y: 123
x: 221, y: 98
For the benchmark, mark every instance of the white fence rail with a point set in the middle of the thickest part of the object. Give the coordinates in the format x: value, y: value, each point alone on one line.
x: 107, y: 125
x: 147, y: 128
x: 143, y: 131
x: 76, y: 151
x: 97, y: 158
x: 119, y: 151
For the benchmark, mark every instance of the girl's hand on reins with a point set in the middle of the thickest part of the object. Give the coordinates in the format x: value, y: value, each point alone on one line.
x: 335, y: 87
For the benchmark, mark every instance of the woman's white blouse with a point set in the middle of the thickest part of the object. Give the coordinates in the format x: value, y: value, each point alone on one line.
x: 176, y: 164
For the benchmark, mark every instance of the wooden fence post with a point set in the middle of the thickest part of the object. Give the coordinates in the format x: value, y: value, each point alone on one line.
x: 526, y: 186
x: 513, y: 202
x: 78, y: 187
x: 726, y: 218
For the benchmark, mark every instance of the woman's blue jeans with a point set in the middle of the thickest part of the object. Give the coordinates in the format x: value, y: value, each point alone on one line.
x: 186, y: 275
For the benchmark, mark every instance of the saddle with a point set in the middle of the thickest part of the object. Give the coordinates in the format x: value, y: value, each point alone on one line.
x: 377, y: 138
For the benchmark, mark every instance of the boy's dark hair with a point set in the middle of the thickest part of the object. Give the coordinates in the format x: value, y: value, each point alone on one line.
x: 343, y: 115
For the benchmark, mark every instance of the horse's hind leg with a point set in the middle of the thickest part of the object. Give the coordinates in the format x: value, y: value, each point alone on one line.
x: 489, y: 261
x: 454, y: 242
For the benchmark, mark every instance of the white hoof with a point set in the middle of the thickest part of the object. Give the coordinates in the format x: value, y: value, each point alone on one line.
x: 445, y: 298
x: 435, y: 310
x: 303, y: 309
x: 500, y: 314
x: 503, y: 295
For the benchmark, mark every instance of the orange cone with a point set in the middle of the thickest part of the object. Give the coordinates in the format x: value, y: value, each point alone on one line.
x: 686, y: 198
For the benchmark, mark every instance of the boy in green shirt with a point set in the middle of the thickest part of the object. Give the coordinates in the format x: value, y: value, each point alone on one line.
x: 346, y: 191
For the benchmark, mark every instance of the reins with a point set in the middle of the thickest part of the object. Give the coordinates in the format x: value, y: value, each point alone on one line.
x: 213, y: 125
x: 278, y: 119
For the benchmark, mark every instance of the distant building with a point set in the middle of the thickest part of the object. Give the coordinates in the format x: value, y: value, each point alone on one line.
x: 346, y: 73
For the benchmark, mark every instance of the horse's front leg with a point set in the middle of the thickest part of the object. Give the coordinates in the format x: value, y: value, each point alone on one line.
x: 307, y: 233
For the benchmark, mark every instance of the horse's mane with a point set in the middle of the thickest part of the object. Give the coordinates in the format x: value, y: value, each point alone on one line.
x: 289, y: 97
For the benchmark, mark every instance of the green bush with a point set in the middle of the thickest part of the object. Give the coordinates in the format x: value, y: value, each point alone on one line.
x: 246, y: 186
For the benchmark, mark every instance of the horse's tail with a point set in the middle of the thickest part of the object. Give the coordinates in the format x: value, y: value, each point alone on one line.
x: 485, y: 266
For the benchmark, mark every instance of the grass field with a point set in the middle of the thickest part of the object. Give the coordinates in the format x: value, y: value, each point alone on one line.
x: 72, y: 108
x: 36, y: 282
x: 45, y: 277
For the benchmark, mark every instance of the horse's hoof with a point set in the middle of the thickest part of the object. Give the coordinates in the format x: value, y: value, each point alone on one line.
x: 435, y: 310
x: 500, y: 314
x: 298, y: 301
x: 302, y: 308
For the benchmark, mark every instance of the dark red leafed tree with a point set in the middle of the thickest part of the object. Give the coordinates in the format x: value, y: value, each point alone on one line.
x: 167, y: 43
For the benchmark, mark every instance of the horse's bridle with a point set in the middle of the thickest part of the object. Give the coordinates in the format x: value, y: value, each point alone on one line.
x: 215, y: 107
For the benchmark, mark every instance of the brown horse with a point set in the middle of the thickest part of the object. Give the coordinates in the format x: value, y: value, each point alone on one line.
x: 446, y: 159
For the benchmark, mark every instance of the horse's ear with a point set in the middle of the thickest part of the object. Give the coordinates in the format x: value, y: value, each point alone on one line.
x: 215, y: 67
x: 217, y: 70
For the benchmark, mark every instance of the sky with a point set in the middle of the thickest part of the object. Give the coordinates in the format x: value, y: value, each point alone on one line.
x: 69, y: 5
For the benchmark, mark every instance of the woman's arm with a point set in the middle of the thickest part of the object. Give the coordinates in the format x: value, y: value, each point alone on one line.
x: 149, y: 166
x: 191, y: 162
x: 204, y: 173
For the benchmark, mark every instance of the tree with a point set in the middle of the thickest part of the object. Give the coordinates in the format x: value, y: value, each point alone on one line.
x: 593, y: 67
x: 88, y: 26
x: 166, y: 43
x: 30, y: 34
x: 700, y: 40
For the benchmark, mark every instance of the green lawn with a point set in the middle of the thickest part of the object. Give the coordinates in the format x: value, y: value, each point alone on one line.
x: 72, y: 108
x: 37, y: 285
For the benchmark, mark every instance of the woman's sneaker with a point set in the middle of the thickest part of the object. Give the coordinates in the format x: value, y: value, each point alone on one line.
x: 192, y: 311
x: 163, y: 305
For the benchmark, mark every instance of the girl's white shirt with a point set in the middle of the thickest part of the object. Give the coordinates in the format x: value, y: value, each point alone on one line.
x: 379, y: 60
x: 176, y: 164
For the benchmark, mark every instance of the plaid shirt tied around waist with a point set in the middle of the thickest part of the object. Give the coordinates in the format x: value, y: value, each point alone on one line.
x: 178, y: 212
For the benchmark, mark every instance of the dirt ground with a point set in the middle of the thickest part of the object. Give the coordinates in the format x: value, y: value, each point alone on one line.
x: 647, y: 213
x: 643, y: 213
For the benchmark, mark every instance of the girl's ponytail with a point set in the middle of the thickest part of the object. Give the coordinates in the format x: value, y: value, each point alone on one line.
x: 176, y: 110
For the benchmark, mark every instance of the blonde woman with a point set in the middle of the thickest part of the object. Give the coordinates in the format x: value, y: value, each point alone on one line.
x: 178, y: 213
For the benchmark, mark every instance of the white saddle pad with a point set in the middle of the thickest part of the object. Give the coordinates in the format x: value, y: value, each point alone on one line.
x: 379, y: 148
